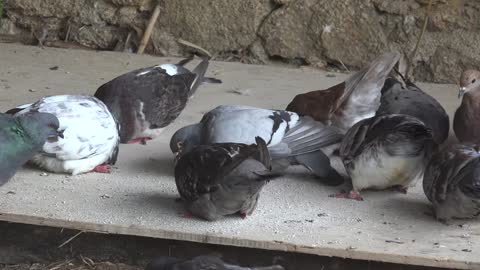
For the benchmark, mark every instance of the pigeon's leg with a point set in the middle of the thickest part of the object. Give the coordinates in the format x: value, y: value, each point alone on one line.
x: 400, y: 189
x: 142, y: 141
x: 353, y: 195
x: 186, y: 215
x: 243, y: 215
x: 103, y: 168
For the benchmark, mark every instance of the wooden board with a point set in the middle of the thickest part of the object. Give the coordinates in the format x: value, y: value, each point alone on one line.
x: 138, y: 197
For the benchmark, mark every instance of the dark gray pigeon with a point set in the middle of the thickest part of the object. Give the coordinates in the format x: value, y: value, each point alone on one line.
x: 21, y: 137
x: 291, y: 139
x: 452, y: 182
x: 223, y: 179
x: 386, y: 151
x: 467, y: 117
x: 407, y: 98
x: 146, y: 100
x: 200, y: 263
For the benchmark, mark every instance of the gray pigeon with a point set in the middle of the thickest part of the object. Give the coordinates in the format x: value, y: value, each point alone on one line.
x: 146, y: 100
x: 452, y: 182
x: 407, y: 98
x: 223, y: 179
x: 21, y: 137
x: 90, y: 134
x: 291, y: 139
x: 386, y: 151
x: 200, y: 263
x: 467, y: 117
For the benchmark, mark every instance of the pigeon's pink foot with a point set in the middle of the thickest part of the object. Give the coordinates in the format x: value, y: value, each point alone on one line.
x: 353, y: 195
x: 104, y: 168
x: 186, y: 215
x: 142, y: 141
x: 243, y: 215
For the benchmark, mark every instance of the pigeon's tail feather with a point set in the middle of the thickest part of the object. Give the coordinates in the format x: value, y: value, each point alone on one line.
x: 263, y: 153
x: 199, y: 72
x: 304, y: 144
x: 17, y: 109
x: 273, y: 267
x: 305, y: 137
x: 185, y: 61
x: 235, y: 267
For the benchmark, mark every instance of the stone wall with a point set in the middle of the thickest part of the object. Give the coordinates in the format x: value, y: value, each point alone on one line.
x: 314, y: 32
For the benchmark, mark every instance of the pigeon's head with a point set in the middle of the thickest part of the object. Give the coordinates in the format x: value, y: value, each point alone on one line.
x: 469, y: 80
x: 162, y: 263
x: 41, y: 126
x: 185, y: 139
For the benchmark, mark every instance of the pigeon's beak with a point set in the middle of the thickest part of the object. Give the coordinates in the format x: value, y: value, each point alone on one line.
x: 176, y: 158
x: 60, y: 133
x: 461, y: 92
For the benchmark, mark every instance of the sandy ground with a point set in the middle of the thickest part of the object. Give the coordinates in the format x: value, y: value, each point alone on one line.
x: 294, y: 212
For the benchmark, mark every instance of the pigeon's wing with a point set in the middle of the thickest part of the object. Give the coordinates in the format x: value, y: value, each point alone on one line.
x: 15, y: 148
x: 241, y: 124
x: 411, y: 100
x: 355, y: 140
x: 89, y: 128
x: 346, y: 103
x: 319, y: 104
x: 202, y: 169
x: 305, y: 137
x: 467, y: 177
x: 159, y: 96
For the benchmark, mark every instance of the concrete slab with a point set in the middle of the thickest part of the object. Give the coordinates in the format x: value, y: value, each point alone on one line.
x: 294, y: 213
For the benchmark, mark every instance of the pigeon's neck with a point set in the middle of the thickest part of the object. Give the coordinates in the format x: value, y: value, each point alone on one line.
x: 471, y: 100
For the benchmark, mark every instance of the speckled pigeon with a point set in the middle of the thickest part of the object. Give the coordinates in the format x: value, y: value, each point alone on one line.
x: 399, y: 98
x: 386, y: 151
x: 346, y: 103
x: 452, y: 182
x: 466, y: 122
x: 146, y: 100
x: 21, y: 137
x: 291, y: 139
x: 203, y: 262
x: 90, y: 134
x: 222, y: 179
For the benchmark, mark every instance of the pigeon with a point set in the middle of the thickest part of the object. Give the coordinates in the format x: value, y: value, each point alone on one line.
x: 291, y: 139
x: 452, y: 182
x: 408, y: 99
x: 222, y: 179
x: 146, y: 100
x: 203, y: 262
x: 348, y: 102
x: 467, y: 116
x: 90, y: 133
x: 385, y: 151
x: 21, y: 137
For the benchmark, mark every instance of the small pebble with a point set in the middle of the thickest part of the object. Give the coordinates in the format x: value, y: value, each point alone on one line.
x: 31, y: 90
x: 54, y: 68
x: 331, y: 75
x: 44, y: 174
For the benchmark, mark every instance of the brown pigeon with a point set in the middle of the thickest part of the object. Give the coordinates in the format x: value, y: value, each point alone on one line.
x: 356, y: 98
x: 467, y: 116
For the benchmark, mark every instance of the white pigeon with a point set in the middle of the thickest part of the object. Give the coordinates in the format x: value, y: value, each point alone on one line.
x: 91, y: 134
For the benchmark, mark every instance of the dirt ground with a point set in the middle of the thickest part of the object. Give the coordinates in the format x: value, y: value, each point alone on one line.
x: 28, y: 73
x: 37, y: 248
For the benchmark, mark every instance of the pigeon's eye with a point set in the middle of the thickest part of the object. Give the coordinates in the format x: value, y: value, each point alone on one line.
x: 474, y: 80
x: 53, y: 126
x: 179, y: 144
